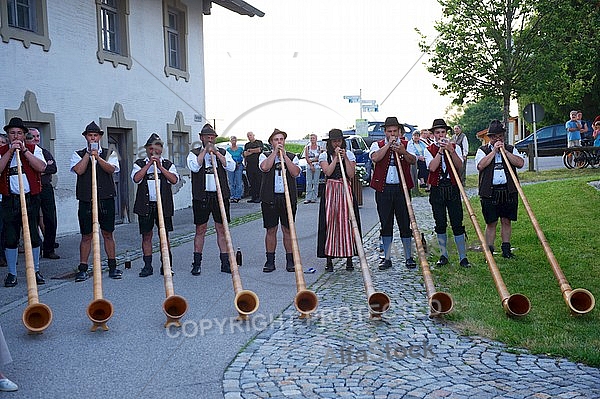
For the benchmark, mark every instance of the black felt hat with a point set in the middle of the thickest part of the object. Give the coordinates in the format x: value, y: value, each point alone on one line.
x: 207, y: 129
x: 154, y: 139
x: 16, y: 122
x: 496, y: 127
x: 336, y: 134
x: 92, y: 128
x: 277, y: 131
x: 439, y: 124
x: 392, y: 121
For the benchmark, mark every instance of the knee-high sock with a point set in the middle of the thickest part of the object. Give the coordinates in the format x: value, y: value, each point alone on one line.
x: 461, y: 246
x: 387, y: 244
x: 11, y: 259
x: 442, y: 240
x: 36, y: 258
x: 407, y: 245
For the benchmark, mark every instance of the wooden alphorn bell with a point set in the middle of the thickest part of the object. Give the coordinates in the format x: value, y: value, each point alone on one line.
x: 378, y: 302
x: 515, y: 305
x: 246, y: 302
x: 306, y: 301
x: 580, y: 301
x: 36, y: 316
x: 100, y: 309
x: 440, y: 303
x: 174, y: 306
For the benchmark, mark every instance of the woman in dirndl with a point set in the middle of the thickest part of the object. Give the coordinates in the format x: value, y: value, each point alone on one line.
x: 335, y: 238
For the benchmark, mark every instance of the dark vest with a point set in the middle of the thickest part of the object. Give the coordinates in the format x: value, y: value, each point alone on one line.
x: 267, y: 188
x: 104, y: 180
x: 34, y: 178
x: 434, y: 176
x: 142, y: 196
x: 337, y: 171
x: 199, y: 178
x: 487, y: 175
x: 381, y: 169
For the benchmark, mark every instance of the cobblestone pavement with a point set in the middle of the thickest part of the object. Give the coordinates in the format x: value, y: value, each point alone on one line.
x: 341, y: 353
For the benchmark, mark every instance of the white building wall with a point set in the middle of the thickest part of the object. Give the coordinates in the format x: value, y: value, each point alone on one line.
x: 69, y: 82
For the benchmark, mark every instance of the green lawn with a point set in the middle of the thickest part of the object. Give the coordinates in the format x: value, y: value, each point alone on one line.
x: 568, y: 211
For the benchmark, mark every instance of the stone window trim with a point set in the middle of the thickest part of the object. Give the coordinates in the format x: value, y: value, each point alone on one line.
x: 124, y: 57
x: 181, y: 9
x: 179, y: 126
x: 40, y: 36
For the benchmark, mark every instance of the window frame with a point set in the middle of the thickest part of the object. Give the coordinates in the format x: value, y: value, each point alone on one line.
x: 179, y: 9
x: 38, y: 34
x: 122, y: 53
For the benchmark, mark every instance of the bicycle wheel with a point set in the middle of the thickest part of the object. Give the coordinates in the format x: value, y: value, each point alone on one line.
x: 581, y: 159
x: 568, y: 159
x: 594, y: 159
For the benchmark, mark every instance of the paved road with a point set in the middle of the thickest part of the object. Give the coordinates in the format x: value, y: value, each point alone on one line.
x: 273, y: 354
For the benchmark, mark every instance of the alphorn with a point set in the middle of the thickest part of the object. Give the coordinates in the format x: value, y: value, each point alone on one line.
x: 174, y: 306
x: 580, y: 301
x: 378, y: 302
x: 100, y: 309
x: 306, y: 301
x: 440, y: 303
x: 516, y: 305
x: 245, y: 301
x: 36, y: 316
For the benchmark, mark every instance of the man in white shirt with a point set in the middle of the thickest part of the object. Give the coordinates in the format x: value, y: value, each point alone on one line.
x: 272, y: 196
x: 497, y: 190
x: 145, y: 205
x: 204, y: 194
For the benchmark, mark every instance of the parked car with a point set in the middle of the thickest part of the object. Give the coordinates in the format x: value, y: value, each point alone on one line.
x: 354, y: 143
x: 375, y: 132
x: 553, y: 136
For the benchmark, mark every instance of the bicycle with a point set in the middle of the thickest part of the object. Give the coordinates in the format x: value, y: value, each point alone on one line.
x: 575, y: 157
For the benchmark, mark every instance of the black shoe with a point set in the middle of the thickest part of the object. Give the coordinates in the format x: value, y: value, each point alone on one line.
x: 269, y: 267
x: 39, y: 279
x: 410, y: 263
x: 162, y: 271
x: 387, y: 263
x: 349, y: 265
x: 329, y: 265
x: 50, y: 255
x: 10, y: 280
x: 508, y: 255
x: 115, y: 273
x: 81, y: 276
x: 442, y: 262
x: 225, y: 269
x: 146, y: 271
x: 465, y: 262
x: 195, y: 269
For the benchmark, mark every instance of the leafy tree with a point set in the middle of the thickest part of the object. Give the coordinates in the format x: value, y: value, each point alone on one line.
x: 491, y: 48
x: 477, y: 116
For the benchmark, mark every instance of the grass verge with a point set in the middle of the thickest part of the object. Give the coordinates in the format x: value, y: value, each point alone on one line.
x: 568, y: 211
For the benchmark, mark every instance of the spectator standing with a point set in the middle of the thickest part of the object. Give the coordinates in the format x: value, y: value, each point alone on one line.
x: 272, y: 197
x: 584, y: 127
x: 460, y: 138
x: 417, y: 146
x: 145, y: 205
x: 596, y: 133
x: 107, y: 163
x: 204, y: 195
x: 6, y: 385
x: 236, y: 184
x: 252, y: 151
x: 497, y: 190
x: 389, y: 195
x: 33, y: 164
x: 445, y: 195
x: 47, y: 201
x: 313, y: 169
x: 573, y: 127
x: 335, y: 238
x: 3, y: 142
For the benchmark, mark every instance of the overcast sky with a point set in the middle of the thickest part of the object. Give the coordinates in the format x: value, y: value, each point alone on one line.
x: 291, y: 68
